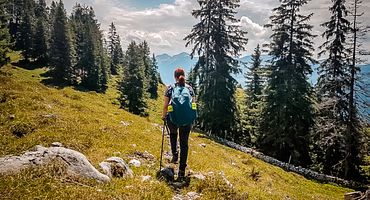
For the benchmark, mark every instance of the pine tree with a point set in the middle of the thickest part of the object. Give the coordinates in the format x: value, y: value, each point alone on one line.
x: 287, y: 114
x: 91, y: 60
x: 61, y: 59
x: 153, y: 79
x: 192, y: 80
x: 40, y: 48
x: 332, y: 92
x: 114, y: 50
x: 217, y: 39
x: 132, y: 85
x: 253, y: 93
x: 25, y: 34
x: 4, y: 35
x: 15, y: 8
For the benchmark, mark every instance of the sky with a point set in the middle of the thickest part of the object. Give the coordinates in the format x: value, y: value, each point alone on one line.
x: 164, y: 23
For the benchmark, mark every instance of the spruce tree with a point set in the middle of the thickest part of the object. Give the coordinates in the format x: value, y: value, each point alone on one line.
x: 4, y: 35
x: 217, y: 39
x: 132, y: 85
x: 114, y: 50
x: 25, y: 33
x: 153, y: 79
x: 287, y: 114
x: 61, y: 59
x: 91, y: 60
x: 332, y: 88
x: 40, y: 48
x: 253, y: 91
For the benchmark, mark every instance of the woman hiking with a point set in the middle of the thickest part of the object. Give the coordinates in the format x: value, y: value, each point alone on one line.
x: 179, y: 111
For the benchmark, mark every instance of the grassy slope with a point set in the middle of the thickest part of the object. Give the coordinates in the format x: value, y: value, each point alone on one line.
x: 90, y: 123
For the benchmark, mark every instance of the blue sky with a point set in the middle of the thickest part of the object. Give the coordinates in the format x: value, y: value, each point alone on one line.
x: 142, y: 4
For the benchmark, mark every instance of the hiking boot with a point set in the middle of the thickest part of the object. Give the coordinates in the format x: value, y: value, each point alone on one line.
x: 181, y: 175
x: 174, y: 159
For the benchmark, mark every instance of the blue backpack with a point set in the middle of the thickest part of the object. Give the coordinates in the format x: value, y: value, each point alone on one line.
x: 182, y: 111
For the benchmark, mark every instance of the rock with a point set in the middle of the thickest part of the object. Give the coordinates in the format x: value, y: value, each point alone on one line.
x: 193, y: 195
x: 199, y: 176
x: 145, y: 178
x: 189, y: 196
x: 226, y: 180
x: 99, y: 190
x: 77, y: 164
x: 135, y: 163
x: 134, y: 145
x: 352, y: 195
x: 50, y: 116
x: 56, y: 144
x: 203, y: 145
x: 11, y: 117
x: 125, y: 123
x: 116, y: 167
x: 145, y: 155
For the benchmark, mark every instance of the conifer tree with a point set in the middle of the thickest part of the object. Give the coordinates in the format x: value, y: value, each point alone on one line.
x: 25, y: 33
x: 114, y: 50
x: 132, y: 85
x: 153, y: 79
x: 287, y: 114
x: 253, y: 91
x: 40, y: 48
x: 89, y: 49
x: 332, y: 89
x: 217, y: 39
x: 61, y: 59
x: 355, y: 131
x: 15, y: 8
x: 4, y: 35
x: 192, y: 80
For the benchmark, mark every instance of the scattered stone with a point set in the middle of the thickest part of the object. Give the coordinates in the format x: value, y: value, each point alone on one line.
x: 11, y: 117
x: 145, y: 155
x: 56, y: 144
x: 135, y: 163
x: 203, y: 145
x: 199, y: 176
x: 189, y: 196
x: 48, y: 106
x: 211, y: 173
x: 134, y: 145
x: 116, y: 167
x: 125, y: 123
x: 50, y: 116
x: 233, y: 164
x: 99, y: 190
x: 77, y: 164
x: 193, y: 195
x: 352, y: 195
x: 226, y: 180
x: 129, y: 186
x: 146, y: 178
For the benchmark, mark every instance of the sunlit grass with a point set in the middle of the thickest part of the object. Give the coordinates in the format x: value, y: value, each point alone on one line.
x: 90, y: 122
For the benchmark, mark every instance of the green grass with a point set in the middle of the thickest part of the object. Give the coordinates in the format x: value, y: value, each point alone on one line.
x: 90, y: 122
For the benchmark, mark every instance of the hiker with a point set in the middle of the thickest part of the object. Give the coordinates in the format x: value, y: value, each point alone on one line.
x: 179, y: 113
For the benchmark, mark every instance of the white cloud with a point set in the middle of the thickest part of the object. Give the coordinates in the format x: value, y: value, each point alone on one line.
x: 165, y: 26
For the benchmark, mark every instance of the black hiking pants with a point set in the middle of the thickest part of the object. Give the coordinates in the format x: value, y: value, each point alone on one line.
x: 183, y: 132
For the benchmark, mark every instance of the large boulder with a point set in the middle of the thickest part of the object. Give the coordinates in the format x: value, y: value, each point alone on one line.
x: 77, y: 164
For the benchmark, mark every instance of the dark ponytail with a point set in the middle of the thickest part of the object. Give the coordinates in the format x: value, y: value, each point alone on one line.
x: 180, y: 75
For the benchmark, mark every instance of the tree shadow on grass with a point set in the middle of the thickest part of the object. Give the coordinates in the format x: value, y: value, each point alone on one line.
x: 50, y: 81
x: 29, y: 65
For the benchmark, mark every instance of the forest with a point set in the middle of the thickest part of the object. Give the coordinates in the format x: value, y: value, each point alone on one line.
x: 319, y: 127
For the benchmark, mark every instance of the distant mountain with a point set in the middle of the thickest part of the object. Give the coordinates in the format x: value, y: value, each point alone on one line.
x: 167, y: 64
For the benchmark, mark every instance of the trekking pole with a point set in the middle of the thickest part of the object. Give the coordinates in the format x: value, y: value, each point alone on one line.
x: 160, y: 162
